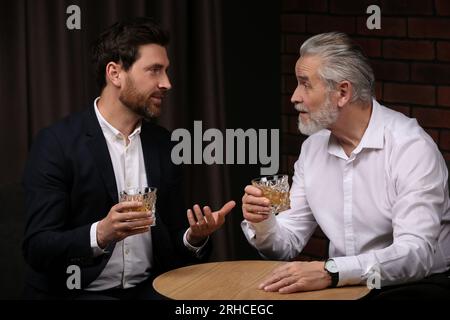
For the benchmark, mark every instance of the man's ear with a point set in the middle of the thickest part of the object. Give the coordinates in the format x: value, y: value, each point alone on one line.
x: 114, y: 74
x: 344, y: 93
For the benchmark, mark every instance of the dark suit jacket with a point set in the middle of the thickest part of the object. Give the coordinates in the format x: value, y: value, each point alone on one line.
x: 69, y: 184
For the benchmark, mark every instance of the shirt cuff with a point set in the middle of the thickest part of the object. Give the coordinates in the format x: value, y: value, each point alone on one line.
x: 196, y: 250
x: 252, y: 229
x: 96, y: 250
x: 350, y: 272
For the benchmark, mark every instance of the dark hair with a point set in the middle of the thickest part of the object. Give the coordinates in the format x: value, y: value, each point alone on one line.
x: 121, y: 41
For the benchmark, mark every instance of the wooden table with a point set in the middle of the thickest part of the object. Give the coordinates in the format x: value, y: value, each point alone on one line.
x: 237, y: 280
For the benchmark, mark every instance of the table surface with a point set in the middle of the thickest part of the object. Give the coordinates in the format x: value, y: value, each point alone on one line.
x: 238, y: 280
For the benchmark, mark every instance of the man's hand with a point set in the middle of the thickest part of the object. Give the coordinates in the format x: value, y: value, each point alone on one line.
x: 121, y: 223
x: 255, y: 207
x: 297, y: 276
x: 204, y: 224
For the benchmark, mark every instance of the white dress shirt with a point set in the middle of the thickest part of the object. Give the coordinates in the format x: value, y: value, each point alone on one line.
x: 384, y: 208
x: 131, y: 259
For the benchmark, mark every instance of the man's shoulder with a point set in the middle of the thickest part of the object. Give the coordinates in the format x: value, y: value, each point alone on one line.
x: 69, y: 126
x: 405, y: 138
x: 395, y: 120
x: 401, y: 128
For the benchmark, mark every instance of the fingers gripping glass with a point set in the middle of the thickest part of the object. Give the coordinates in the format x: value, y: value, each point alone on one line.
x: 146, y: 195
x: 276, y: 189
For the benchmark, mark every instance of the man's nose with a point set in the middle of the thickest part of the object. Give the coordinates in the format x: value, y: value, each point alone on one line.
x: 296, y: 96
x: 165, y: 83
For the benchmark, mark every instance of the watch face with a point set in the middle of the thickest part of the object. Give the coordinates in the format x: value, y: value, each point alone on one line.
x: 330, y: 265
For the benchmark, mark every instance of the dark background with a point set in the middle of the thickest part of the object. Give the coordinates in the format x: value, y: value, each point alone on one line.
x: 224, y: 71
x: 232, y: 66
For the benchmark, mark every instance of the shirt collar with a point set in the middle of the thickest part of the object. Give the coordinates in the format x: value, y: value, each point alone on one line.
x: 108, y: 129
x: 373, y: 137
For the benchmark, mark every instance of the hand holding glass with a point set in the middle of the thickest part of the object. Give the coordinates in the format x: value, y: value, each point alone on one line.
x: 145, y: 195
x: 276, y: 189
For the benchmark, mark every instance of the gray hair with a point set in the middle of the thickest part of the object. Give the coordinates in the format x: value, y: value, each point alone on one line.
x: 342, y: 60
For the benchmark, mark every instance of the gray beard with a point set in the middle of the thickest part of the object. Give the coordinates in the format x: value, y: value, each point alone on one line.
x: 318, y: 120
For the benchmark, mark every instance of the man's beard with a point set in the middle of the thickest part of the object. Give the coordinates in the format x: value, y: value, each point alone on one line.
x: 137, y: 102
x: 323, y: 118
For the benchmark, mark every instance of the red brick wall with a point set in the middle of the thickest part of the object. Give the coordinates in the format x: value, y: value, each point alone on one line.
x: 410, y: 56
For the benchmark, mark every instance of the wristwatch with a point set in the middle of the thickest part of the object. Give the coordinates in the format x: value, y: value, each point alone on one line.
x: 331, y: 268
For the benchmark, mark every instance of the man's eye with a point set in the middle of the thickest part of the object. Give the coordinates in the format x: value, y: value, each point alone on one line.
x: 155, y: 70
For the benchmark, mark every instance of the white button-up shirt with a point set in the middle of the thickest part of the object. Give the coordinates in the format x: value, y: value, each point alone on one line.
x: 131, y: 259
x: 385, y: 208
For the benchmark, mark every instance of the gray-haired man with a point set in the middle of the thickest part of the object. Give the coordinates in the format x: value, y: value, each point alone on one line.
x: 370, y: 177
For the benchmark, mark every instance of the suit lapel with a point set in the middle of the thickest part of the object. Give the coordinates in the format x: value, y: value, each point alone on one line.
x: 151, y: 152
x: 99, y: 149
x: 97, y: 145
x: 150, y: 149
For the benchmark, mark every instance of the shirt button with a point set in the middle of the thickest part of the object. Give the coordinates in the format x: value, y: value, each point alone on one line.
x: 127, y: 251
